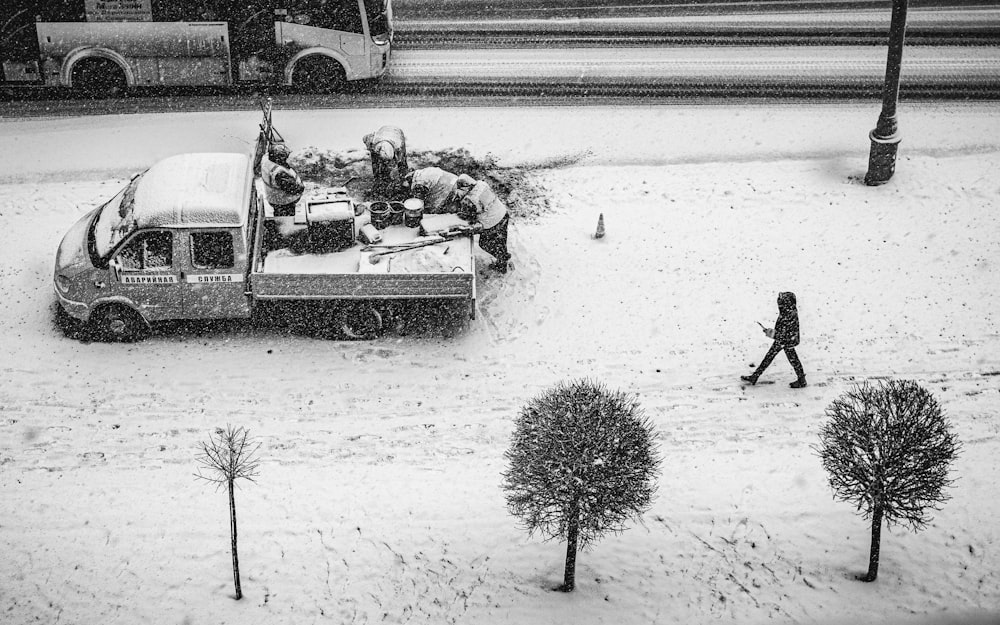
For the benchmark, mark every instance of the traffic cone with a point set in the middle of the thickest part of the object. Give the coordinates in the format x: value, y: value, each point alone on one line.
x: 600, y: 227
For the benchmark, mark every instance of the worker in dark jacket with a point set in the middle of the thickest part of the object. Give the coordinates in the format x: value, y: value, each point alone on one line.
x: 387, y: 147
x: 282, y: 186
x: 786, y: 336
x: 478, y: 204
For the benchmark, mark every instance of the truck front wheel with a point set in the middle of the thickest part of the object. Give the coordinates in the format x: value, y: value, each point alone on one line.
x: 115, y: 323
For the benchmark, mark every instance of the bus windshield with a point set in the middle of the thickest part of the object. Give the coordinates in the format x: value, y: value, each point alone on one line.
x: 113, y: 222
x: 379, y: 17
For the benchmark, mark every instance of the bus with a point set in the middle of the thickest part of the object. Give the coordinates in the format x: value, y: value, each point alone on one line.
x: 109, y: 46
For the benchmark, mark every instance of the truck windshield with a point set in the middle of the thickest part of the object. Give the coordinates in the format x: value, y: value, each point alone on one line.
x: 379, y: 20
x: 113, y: 222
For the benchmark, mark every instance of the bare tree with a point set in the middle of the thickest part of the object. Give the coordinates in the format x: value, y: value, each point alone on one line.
x: 230, y: 454
x: 582, y: 462
x: 888, y: 450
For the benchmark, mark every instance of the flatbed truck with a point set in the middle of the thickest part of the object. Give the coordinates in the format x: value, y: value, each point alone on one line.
x: 193, y: 238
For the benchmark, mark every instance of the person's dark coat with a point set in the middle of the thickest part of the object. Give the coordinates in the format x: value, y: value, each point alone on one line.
x: 786, y: 328
x: 388, y: 173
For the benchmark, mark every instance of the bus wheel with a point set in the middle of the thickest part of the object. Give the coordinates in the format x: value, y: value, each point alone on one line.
x: 361, y: 323
x: 115, y: 323
x: 318, y: 74
x: 99, y: 78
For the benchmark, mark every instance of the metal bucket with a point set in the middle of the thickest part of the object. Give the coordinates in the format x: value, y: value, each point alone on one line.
x: 413, y: 212
x: 381, y: 214
x: 397, y: 212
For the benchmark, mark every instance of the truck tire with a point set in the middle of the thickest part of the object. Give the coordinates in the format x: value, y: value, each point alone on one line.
x: 318, y: 74
x: 116, y: 323
x: 99, y: 78
x: 361, y: 323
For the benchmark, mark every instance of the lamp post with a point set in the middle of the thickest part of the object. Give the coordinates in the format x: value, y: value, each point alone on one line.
x: 885, y: 136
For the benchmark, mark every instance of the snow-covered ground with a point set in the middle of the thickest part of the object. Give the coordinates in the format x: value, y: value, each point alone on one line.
x: 379, y: 494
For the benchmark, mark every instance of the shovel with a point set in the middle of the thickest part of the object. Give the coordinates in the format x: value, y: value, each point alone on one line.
x: 376, y: 257
x: 397, y: 247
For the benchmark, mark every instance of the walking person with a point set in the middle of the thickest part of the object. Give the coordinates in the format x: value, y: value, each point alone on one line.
x: 387, y: 147
x: 786, y: 336
x: 478, y: 203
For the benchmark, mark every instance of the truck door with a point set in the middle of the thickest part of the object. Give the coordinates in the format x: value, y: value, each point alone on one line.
x: 146, y: 273
x: 213, y: 281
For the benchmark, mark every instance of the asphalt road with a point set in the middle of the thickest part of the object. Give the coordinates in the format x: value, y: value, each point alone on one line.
x: 869, y: 27
x: 526, y: 9
x: 557, y: 76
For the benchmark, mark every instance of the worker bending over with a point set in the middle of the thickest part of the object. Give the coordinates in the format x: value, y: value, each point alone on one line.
x: 282, y: 186
x: 436, y: 187
x: 387, y: 147
x: 478, y: 203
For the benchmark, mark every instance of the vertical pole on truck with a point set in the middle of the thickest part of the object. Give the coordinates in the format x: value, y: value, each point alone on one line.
x: 266, y: 136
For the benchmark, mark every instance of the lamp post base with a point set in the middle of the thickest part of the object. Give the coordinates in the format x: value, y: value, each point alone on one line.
x: 882, y: 159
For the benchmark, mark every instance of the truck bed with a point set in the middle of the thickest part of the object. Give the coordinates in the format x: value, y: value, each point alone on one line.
x: 286, y: 269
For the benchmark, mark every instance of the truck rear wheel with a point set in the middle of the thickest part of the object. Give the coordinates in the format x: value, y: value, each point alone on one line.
x: 318, y: 74
x: 99, y: 78
x: 115, y: 323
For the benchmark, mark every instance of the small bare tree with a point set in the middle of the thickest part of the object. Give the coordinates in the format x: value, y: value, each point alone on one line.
x: 230, y: 454
x: 888, y: 450
x: 582, y: 462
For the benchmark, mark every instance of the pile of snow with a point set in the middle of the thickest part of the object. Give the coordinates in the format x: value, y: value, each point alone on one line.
x: 524, y: 197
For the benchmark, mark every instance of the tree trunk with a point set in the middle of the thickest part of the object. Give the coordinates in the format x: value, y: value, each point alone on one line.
x: 876, y: 539
x: 232, y: 533
x: 572, y: 532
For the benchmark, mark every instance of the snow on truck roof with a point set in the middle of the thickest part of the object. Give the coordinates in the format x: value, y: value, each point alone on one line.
x: 205, y: 189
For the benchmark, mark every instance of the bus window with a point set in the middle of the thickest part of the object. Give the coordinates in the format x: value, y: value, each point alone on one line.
x: 340, y: 15
x: 378, y: 20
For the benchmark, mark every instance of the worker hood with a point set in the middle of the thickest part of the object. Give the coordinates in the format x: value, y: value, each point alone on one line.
x: 425, y: 177
x: 786, y: 301
x: 465, y: 182
x: 279, y: 153
x: 385, y: 151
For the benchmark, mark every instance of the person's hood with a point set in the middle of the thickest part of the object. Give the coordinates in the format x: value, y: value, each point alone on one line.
x: 786, y: 300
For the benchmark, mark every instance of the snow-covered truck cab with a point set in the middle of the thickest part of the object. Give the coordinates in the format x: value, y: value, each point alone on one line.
x: 173, y: 244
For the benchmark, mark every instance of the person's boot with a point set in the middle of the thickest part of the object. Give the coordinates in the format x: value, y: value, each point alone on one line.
x: 799, y: 383
x: 752, y: 378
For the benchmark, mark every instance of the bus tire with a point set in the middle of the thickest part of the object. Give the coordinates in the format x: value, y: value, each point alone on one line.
x: 361, y: 323
x: 318, y: 74
x: 116, y: 323
x: 99, y: 78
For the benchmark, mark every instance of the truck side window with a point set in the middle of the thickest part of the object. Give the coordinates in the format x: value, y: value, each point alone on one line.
x: 212, y: 250
x: 149, y: 250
